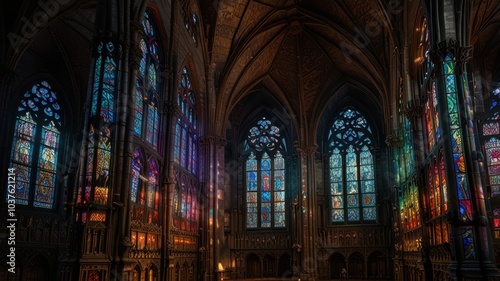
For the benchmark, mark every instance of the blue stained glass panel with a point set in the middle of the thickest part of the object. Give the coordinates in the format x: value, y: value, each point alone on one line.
x: 335, y: 160
x: 368, y: 186
x: 184, y: 148
x: 22, y: 184
x: 279, y: 219
x: 369, y: 214
x: 352, y: 201
x: 279, y: 196
x: 139, y: 108
x: 251, y: 219
x: 265, y: 196
x: 468, y: 243
x: 279, y: 207
x: 44, y: 193
x: 335, y: 176
x: 142, y: 64
x: 465, y: 210
x: 450, y: 84
x: 266, y: 163
x: 265, y: 215
x: 279, y: 162
x: 353, y: 214
x: 338, y: 215
x: 252, y: 181
x: 352, y: 187
x: 136, y: 172
x: 24, y: 137
x: 177, y: 143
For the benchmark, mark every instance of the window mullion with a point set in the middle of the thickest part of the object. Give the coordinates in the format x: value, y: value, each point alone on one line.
x: 272, y: 191
x: 35, y: 167
x: 358, y: 172
x: 259, y: 193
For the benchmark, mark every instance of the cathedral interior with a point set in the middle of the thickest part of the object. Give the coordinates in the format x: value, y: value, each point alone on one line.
x: 148, y: 140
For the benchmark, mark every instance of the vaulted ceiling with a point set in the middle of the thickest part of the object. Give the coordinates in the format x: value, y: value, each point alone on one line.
x: 301, y: 50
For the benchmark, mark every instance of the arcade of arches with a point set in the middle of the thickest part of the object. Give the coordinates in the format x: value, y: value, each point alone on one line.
x: 250, y: 139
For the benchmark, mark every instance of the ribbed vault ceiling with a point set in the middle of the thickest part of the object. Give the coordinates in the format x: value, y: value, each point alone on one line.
x: 300, y: 49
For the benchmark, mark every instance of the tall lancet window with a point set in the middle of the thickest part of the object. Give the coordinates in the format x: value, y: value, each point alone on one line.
x: 144, y: 191
x: 185, y: 155
x: 147, y: 119
x: 265, y: 176
x: 352, y: 169
x: 186, y: 140
x: 35, y: 147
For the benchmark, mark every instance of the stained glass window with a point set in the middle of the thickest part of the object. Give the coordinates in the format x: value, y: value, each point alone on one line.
x: 185, y: 141
x: 185, y: 155
x: 492, y: 147
x: 146, y: 97
x: 410, y: 208
x: 35, y: 146
x: 496, y: 222
x: 351, y: 169
x: 437, y: 187
x: 185, y: 204
x: 265, y: 176
x: 136, y: 182
x: 491, y: 139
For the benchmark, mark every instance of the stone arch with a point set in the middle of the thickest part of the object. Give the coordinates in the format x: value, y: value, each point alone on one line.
x: 253, y: 266
x: 337, y: 261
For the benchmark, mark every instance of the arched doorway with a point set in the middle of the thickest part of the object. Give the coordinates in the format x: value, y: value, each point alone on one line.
x: 136, y: 274
x: 269, y: 266
x: 356, y: 266
x: 337, y: 262
x: 253, y: 269
x: 284, y: 268
x: 152, y: 273
x: 377, y: 265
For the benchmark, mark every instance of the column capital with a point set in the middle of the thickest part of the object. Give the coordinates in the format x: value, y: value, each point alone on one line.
x: 413, y: 109
x: 217, y: 140
x: 135, y: 56
x: 461, y: 54
x: 393, y: 141
x: 172, y: 108
x: 306, y: 149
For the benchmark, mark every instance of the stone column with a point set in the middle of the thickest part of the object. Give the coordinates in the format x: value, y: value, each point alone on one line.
x: 307, y: 203
x: 213, y: 151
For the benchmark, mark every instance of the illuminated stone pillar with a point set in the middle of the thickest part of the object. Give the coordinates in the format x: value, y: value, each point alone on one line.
x: 98, y: 208
x: 307, y: 204
x: 213, y: 151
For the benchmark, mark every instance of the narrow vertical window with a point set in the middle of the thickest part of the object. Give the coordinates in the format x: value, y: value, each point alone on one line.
x: 185, y: 157
x: 147, y: 120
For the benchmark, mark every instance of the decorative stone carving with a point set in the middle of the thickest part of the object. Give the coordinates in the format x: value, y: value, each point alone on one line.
x: 393, y: 141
